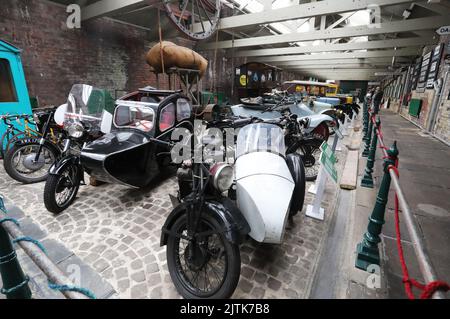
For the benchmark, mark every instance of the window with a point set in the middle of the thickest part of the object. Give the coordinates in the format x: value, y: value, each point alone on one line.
x: 134, y: 116
x: 183, y: 110
x: 7, y: 89
x: 167, y: 117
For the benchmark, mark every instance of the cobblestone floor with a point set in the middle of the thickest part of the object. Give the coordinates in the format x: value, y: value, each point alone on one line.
x: 116, y: 231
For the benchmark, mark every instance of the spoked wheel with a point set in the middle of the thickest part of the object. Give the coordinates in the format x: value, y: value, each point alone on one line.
x: 310, y: 153
x: 60, y: 190
x: 207, y: 267
x: 22, y: 165
x: 197, y: 19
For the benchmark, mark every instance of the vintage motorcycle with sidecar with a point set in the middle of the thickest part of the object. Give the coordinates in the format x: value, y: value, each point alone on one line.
x: 115, y: 139
x: 304, y: 130
x: 219, y: 204
x: 268, y: 107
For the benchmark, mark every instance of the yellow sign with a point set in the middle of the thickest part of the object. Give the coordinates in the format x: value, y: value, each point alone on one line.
x: 299, y: 88
x: 243, y: 80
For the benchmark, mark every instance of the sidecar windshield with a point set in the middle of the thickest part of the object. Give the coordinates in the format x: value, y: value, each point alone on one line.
x: 88, y: 105
x: 260, y: 137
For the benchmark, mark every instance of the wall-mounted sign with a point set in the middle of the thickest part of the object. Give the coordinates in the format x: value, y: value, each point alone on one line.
x: 415, y: 74
x: 423, y: 75
x: 444, y: 30
x: 434, y: 65
x: 243, y: 80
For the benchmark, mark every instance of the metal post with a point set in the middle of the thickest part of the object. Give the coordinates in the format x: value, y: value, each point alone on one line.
x: 367, y: 180
x: 53, y: 273
x: 365, y: 153
x: 365, y: 120
x: 367, y: 251
x: 15, y: 283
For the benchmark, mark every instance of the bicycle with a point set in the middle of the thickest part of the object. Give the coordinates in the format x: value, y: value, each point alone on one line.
x: 13, y: 134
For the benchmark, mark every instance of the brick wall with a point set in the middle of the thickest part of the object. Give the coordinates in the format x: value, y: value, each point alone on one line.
x: 103, y: 53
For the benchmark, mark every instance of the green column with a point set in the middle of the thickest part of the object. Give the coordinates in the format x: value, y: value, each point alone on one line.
x: 15, y: 283
x: 10, y: 270
x: 365, y: 121
x: 368, y: 137
x: 367, y: 250
x: 367, y: 180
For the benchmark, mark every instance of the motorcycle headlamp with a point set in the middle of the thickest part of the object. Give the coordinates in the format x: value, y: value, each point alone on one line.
x: 222, y: 175
x: 75, y: 130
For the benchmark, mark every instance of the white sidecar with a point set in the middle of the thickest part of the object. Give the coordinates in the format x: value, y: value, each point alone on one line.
x: 263, y: 180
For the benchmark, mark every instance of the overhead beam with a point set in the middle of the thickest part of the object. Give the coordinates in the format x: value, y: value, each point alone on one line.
x: 109, y: 7
x: 356, y: 31
x: 344, y: 77
x: 302, y: 11
x: 335, y: 56
x: 344, y: 17
x: 355, y: 67
x: 360, y: 67
x: 345, y: 61
x: 362, y: 71
x: 383, y: 44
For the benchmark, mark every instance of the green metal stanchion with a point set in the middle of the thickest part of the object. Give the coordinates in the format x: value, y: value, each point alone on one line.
x: 15, y: 283
x: 367, y: 250
x: 365, y: 121
x: 368, y: 138
x: 367, y: 180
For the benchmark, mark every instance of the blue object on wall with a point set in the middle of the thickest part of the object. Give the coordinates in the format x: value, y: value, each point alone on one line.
x: 14, y: 98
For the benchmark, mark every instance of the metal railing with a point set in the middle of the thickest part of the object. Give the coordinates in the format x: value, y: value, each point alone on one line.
x: 14, y: 280
x: 367, y: 250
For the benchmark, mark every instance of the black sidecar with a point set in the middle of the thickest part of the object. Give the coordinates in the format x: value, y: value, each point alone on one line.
x: 126, y: 155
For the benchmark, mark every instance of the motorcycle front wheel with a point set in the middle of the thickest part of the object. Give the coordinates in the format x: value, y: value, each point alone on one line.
x: 208, y: 267
x: 310, y: 154
x: 60, y: 190
x: 20, y: 161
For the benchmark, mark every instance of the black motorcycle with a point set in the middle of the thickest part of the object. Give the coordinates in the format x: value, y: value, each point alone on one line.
x: 81, y: 118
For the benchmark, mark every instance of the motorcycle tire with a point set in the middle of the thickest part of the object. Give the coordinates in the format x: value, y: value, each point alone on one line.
x: 22, y: 176
x: 51, y: 186
x: 297, y: 170
x: 309, y: 150
x: 232, y: 270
